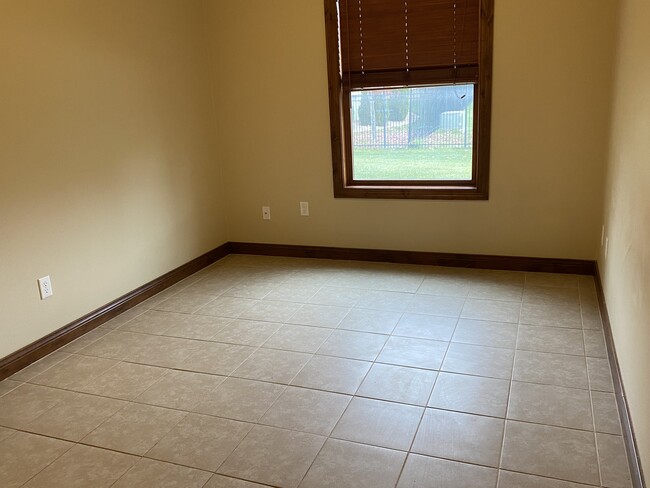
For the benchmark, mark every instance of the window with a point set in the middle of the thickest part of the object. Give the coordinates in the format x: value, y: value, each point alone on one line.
x: 410, y: 94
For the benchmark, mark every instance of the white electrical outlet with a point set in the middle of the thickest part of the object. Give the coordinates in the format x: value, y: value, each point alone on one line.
x: 606, y: 246
x: 266, y: 213
x: 45, y: 287
x: 304, y: 209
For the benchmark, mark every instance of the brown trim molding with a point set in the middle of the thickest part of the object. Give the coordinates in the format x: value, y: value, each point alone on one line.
x: 42, y: 347
x: 636, y: 471
x: 39, y: 349
x: 482, y: 261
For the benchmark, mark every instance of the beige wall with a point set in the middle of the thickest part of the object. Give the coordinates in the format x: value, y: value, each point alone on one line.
x: 108, y: 178
x: 626, y: 268
x: 551, y: 113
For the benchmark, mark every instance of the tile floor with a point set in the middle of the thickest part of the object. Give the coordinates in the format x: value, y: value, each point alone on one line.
x: 284, y: 372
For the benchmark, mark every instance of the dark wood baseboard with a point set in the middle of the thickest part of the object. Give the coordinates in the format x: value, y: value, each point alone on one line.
x: 482, y: 261
x: 42, y: 347
x: 636, y: 471
x: 39, y: 349
x: 60, y: 337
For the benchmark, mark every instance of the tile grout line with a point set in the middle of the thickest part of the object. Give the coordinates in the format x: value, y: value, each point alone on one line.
x: 512, y: 374
x: 591, y: 398
x: 424, y: 410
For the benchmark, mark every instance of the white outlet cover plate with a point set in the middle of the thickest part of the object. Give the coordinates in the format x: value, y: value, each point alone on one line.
x: 45, y: 287
x: 304, y: 209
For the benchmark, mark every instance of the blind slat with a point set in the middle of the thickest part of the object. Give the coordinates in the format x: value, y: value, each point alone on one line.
x: 394, y: 35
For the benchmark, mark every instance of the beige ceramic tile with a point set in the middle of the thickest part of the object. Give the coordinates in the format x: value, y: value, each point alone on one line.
x: 148, y: 473
x: 491, y: 310
x: 396, y: 282
x: 298, y: 338
x: 8, y: 385
x: 551, y: 295
x: 319, y: 315
x: 23, y: 455
x: 73, y: 372
x: 471, y: 394
x: 485, y: 333
x: 491, y: 362
x: 378, y: 321
x: 304, y: 410
x: 550, y: 405
x: 187, y: 301
x: 216, y: 285
x: 196, y: 326
x: 353, y: 345
x: 115, y: 345
x: 27, y: 402
x: 82, y: 467
x: 591, y: 318
x: 427, y: 472
x: 228, y: 307
x: 250, y: 290
x: 390, y: 301
x: 551, y: 339
x: 246, y: 332
x: 147, y: 349
x: 491, y: 277
x: 379, y: 423
x: 297, y: 293
x: 451, y: 286
x: 551, y: 315
x: 200, y: 441
x: 272, y: 365
x: 423, y: 326
x: 552, y: 279
x: 135, y: 429
x: 506, y: 292
x: 124, y: 380
x: 551, y: 369
x: 167, y: 352
x: 5, y: 432
x: 240, y: 399
x: 343, y: 463
x: 188, y: 326
x: 509, y: 479
x: 336, y: 296
x: 153, y: 322
x: 606, y: 413
x: 39, y: 367
x: 436, y: 305
x: 181, y: 390
x: 271, y: 311
x: 614, y: 467
x: 600, y: 376
x: 217, y: 358
x: 595, y: 343
x: 467, y: 438
x: 85, y: 340
x: 555, y: 452
x: 220, y: 481
x: 332, y: 374
x: 417, y: 353
x: 398, y: 384
x: 75, y: 417
x: 273, y: 456
x: 124, y: 317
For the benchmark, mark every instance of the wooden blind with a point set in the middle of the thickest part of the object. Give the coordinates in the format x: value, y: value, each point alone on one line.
x: 397, y: 36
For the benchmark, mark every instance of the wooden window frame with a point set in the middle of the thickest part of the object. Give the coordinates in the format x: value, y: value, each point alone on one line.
x: 339, y: 103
